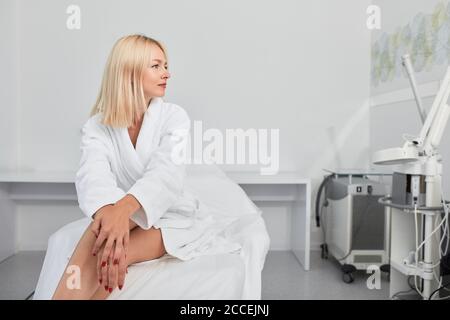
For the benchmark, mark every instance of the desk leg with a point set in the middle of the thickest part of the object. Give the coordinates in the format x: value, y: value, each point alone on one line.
x: 301, y: 224
x: 7, y: 223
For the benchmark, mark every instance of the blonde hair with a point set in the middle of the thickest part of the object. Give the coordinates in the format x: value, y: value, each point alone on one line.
x: 121, y: 98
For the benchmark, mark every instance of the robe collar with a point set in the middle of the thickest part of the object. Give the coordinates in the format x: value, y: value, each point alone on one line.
x: 134, y: 160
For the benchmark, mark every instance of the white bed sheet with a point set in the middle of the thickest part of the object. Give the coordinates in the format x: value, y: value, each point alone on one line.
x: 234, y: 275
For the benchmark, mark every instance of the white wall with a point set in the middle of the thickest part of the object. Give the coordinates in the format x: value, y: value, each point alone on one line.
x: 8, y: 118
x: 300, y: 66
x: 9, y: 76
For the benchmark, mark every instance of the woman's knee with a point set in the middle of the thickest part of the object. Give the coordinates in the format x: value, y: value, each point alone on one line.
x: 146, y: 245
x: 160, y: 249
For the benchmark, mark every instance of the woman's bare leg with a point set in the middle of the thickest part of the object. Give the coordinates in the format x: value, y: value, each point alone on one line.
x: 144, y: 245
x: 83, y: 266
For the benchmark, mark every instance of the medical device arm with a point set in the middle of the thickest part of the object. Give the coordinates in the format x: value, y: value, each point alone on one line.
x: 432, y: 130
x: 406, y: 62
x: 430, y: 135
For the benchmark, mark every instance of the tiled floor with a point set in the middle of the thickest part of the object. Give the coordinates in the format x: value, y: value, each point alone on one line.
x: 282, y: 278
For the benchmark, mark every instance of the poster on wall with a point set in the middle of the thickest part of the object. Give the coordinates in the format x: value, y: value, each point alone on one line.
x: 426, y: 38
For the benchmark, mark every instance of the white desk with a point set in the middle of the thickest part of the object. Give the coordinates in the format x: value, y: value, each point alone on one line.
x: 286, y: 187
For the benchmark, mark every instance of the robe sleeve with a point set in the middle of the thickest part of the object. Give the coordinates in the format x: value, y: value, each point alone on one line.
x: 162, y: 182
x: 95, y: 182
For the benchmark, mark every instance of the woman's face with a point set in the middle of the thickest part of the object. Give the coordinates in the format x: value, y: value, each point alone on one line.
x: 155, y: 75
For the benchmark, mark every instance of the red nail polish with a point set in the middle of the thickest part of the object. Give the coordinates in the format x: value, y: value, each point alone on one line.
x: 103, y: 264
x: 100, y: 281
x: 120, y: 287
x: 110, y: 290
x: 116, y: 261
x: 106, y: 288
x: 93, y: 254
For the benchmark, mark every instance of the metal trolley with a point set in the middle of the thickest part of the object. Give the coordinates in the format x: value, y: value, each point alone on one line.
x: 356, y: 226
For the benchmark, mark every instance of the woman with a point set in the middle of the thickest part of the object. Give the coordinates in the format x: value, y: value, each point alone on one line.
x: 130, y: 182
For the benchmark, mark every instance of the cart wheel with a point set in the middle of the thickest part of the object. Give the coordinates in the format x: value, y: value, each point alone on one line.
x: 348, y: 277
x: 386, y: 269
x: 324, y: 251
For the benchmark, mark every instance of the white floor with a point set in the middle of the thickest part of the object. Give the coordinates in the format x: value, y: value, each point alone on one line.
x: 283, y: 278
x: 19, y: 274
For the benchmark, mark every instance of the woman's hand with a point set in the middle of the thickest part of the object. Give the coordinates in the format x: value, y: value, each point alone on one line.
x: 111, y: 227
x: 111, y: 275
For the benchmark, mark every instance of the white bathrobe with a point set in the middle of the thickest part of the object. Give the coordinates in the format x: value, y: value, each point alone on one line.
x: 110, y: 168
